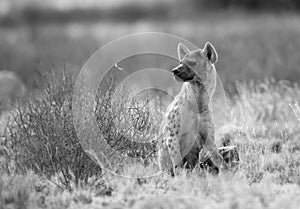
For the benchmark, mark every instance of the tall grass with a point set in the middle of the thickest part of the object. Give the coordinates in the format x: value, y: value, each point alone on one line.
x: 265, y: 126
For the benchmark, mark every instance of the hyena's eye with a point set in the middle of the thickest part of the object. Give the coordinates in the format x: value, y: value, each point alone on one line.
x: 191, y: 63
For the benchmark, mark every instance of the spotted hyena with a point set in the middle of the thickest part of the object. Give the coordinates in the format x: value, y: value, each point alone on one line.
x: 187, y: 128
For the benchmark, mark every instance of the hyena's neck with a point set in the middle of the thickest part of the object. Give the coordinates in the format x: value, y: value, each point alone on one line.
x: 198, y: 93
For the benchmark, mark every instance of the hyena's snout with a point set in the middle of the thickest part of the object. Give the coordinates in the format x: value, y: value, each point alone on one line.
x: 178, y: 73
x: 178, y: 69
x: 183, y: 73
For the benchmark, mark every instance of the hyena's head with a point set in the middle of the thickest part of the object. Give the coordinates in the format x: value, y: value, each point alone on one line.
x: 195, y: 65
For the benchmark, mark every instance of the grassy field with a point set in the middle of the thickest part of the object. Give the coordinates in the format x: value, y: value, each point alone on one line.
x: 42, y: 165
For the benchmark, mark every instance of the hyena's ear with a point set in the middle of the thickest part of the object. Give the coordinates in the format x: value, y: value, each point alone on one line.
x: 182, y: 50
x: 210, y: 52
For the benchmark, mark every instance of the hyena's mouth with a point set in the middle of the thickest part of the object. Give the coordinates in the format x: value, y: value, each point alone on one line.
x: 177, y: 78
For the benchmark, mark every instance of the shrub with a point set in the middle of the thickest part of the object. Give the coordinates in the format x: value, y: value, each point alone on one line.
x: 128, y: 123
x: 43, y: 139
x: 42, y: 135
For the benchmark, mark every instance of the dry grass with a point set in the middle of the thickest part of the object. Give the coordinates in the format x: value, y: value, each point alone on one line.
x: 268, y: 175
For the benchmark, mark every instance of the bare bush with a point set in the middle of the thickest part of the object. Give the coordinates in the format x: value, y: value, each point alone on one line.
x: 129, y: 123
x: 42, y: 137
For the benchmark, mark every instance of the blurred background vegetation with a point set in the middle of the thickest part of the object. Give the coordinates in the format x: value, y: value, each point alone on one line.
x: 255, y: 39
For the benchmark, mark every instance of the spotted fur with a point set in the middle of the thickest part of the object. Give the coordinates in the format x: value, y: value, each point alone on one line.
x: 187, y: 128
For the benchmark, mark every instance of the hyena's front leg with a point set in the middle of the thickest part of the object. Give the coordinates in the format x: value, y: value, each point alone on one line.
x: 207, y: 134
x: 164, y: 161
x: 169, y: 155
x: 174, y: 151
x: 172, y: 137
